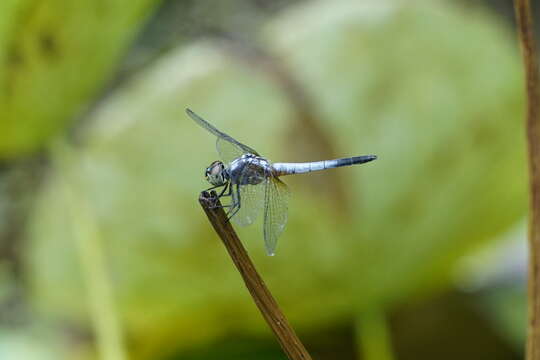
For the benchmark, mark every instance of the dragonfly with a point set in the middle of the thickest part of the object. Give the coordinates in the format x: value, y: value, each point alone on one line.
x: 253, y: 183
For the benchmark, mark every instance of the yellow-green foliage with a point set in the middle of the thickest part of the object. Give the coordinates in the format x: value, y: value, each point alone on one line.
x: 54, y: 55
x: 433, y: 91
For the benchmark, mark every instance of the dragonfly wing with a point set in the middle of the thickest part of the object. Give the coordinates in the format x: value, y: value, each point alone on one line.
x: 226, y: 143
x: 276, y: 200
x: 251, y: 204
x: 228, y: 151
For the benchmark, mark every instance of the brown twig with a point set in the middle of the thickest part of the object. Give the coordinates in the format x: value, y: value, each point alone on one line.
x: 530, y: 61
x: 268, y: 307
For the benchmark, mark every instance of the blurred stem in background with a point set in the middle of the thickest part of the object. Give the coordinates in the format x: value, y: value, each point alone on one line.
x: 109, y: 339
x: 530, y: 62
x: 19, y: 183
x: 373, y: 335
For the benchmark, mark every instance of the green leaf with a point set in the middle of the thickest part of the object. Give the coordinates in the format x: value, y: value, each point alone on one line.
x: 54, y: 56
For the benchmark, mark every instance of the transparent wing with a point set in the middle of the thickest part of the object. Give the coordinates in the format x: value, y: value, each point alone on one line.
x: 251, y: 204
x: 228, y: 151
x: 226, y: 145
x: 276, y: 200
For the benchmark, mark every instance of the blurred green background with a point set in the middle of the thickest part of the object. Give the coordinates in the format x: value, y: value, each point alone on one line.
x: 106, y: 254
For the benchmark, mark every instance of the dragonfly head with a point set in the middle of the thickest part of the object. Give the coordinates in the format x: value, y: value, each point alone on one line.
x: 216, y: 174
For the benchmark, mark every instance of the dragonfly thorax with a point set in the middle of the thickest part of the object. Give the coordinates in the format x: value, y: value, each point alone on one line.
x: 216, y: 174
x: 249, y: 170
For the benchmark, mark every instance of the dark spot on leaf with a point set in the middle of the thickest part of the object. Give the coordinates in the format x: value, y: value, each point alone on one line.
x: 14, y: 61
x: 48, y: 45
x: 15, y: 58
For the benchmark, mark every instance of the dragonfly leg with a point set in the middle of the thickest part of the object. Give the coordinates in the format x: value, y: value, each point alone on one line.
x: 236, y: 204
x: 214, y: 187
x: 222, y: 206
x: 233, y: 213
x: 222, y: 193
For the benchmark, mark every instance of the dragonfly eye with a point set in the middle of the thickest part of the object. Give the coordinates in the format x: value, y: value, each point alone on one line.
x: 214, y: 173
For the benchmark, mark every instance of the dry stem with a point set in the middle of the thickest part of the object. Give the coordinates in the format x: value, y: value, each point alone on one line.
x: 268, y: 307
x: 530, y: 61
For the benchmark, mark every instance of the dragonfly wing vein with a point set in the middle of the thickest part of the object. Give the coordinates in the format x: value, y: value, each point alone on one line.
x: 275, y: 214
x: 251, y: 204
x: 242, y: 148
